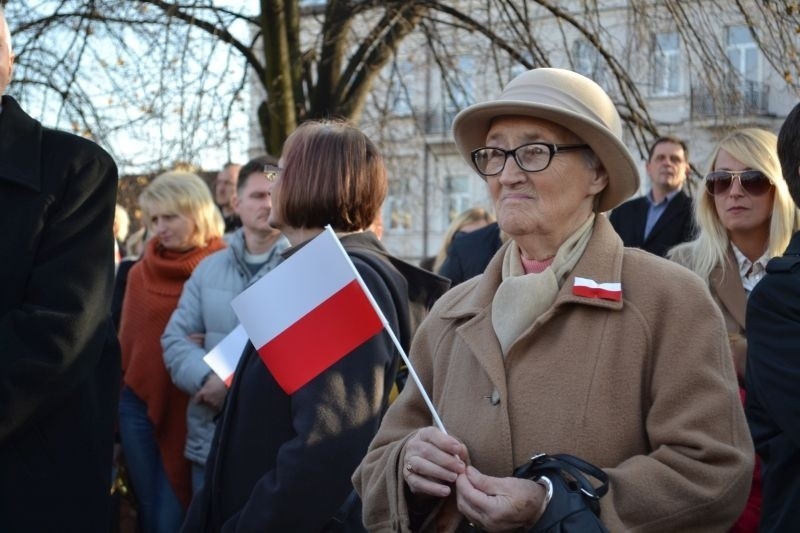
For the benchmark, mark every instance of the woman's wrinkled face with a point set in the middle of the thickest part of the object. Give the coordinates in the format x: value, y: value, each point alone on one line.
x: 739, y: 211
x: 174, y: 231
x: 554, y: 201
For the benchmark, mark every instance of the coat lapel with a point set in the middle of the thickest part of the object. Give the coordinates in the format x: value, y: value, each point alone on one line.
x: 642, y: 206
x: 674, y: 208
x: 477, y: 332
x: 729, y: 289
x: 601, y: 262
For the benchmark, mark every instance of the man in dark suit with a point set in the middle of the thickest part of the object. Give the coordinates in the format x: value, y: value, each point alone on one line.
x: 469, y: 255
x: 59, y: 357
x: 663, y: 217
x: 773, y: 362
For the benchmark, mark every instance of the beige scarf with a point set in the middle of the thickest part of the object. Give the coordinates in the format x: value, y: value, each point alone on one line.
x: 521, y: 298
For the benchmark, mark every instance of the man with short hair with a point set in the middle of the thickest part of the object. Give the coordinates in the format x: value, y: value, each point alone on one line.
x: 59, y: 362
x: 772, y: 374
x: 204, y: 315
x: 663, y: 217
x: 224, y: 194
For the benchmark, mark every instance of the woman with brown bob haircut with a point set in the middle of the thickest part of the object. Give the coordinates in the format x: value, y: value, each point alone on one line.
x: 332, y: 174
x: 283, y: 462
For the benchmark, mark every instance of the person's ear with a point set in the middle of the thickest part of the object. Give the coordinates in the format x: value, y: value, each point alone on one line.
x: 599, y: 181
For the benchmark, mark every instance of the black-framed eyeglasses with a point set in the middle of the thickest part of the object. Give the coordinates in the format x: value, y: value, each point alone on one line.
x: 754, y: 182
x: 271, y: 172
x: 530, y: 157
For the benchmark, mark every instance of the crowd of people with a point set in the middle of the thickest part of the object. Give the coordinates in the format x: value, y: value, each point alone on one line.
x: 653, y: 339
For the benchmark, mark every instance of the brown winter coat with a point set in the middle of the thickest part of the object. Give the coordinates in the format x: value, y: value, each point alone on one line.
x: 727, y: 290
x: 643, y: 388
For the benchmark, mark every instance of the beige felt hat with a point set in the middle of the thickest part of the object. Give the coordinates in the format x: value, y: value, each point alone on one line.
x: 570, y: 100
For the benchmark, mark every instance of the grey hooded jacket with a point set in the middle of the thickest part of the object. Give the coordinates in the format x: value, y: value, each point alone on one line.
x: 204, y: 307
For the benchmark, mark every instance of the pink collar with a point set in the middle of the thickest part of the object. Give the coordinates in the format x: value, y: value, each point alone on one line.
x: 532, y: 266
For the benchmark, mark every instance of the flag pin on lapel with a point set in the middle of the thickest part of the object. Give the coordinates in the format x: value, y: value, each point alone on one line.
x: 589, y: 288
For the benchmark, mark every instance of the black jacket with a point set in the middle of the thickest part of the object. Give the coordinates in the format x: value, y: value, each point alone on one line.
x: 674, y: 226
x: 59, y: 357
x: 772, y: 382
x: 283, y: 462
x: 469, y: 255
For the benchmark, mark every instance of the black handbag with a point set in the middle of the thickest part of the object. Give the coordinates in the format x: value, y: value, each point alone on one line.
x: 575, y: 504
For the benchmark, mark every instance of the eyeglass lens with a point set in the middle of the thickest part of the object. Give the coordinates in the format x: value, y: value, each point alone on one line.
x: 754, y: 182
x: 271, y: 172
x: 530, y: 157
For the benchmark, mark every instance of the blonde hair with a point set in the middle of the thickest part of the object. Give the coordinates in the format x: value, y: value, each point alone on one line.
x: 188, y: 195
x: 470, y: 216
x: 136, y: 242
x: 756, y: 149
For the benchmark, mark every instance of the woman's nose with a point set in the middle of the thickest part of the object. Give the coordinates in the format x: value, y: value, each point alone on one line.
x: 512, y: 173
x: 736, y: 187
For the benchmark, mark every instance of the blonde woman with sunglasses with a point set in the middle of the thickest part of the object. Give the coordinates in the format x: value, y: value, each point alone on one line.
x: 745, y: 216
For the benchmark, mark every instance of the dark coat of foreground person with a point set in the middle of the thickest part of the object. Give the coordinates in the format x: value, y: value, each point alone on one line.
x: 60, y: 363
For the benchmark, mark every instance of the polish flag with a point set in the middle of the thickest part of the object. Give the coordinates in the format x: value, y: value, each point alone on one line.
x: 308, y: 312
x: 224, y: 357
x: 588, y: 288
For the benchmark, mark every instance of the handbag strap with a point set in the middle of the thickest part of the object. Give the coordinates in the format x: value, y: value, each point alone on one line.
x: 585, y: 468
x: 576, y: 467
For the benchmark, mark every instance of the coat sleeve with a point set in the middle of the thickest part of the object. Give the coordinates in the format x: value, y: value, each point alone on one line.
x: 773, y: 368
x: 335, y: 416
x: 182, y: 357
x: 54, y: 336
x: 613, y: 217
x: 696, y: 475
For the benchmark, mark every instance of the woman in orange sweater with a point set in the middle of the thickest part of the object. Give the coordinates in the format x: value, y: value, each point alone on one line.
x: 186, y: 227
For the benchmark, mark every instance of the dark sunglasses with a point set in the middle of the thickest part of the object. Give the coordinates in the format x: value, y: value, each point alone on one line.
x: 754, y: 182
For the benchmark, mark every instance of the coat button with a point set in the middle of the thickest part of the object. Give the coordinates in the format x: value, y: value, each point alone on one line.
x: 495, y: 397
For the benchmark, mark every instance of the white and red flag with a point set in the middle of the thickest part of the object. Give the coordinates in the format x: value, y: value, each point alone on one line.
x: 589, y: 288
x: 312, y: 310
x: 307, y: 313
x: 224, y: 357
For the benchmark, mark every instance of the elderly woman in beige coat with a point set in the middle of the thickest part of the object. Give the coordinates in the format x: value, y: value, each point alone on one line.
x: 568, y: 343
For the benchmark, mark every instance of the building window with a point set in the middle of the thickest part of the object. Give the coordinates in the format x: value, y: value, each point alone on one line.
x: 459, y: 196
x: 465, y: 94
x: 588, y: 61
x: 398, y: 205
x: 402, y: 80
x: 743, y: 55
x: 459, y: 89
x: 741, y: 92
x: 666, y: 64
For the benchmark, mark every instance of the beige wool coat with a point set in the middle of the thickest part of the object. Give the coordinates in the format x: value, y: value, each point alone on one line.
x: 727, y: 290
x: 643, y: 388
